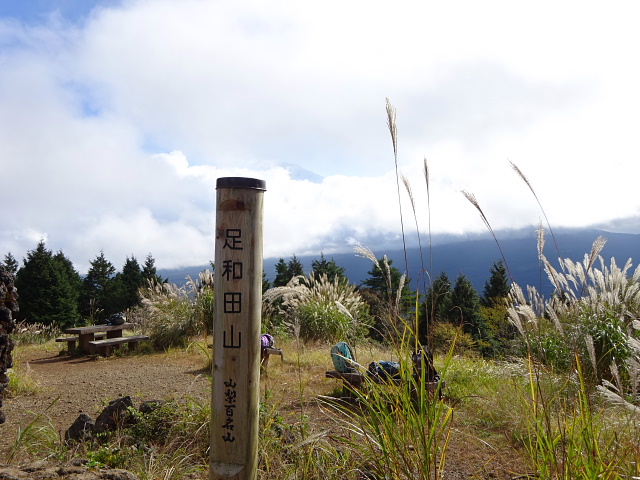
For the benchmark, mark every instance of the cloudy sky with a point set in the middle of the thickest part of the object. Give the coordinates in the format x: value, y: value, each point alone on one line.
x: 118, y: 116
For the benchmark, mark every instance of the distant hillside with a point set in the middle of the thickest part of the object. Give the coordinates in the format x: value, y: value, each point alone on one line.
x: 472, y: 258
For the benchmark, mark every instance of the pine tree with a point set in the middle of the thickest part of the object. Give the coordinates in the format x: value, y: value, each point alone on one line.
x: 10, y: 263
x: 494, y: 309
x: 150, y: 273
x: 266, y: 285
x: 70, y: 287
x: 497, y: 287
x: 386, y: 282
x: 466, y: 311
x: 465, y: 304
x: 282, y: 274
x: 98, y: 289
x: 383, y: 285
x: 48, y: 289
x: 329, y: 268
x: 126, y: 285
x: 295, y: 267
x: 435, y: 307
x: 437, y: 301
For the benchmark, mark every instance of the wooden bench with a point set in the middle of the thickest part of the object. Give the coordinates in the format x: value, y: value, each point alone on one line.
x: 71, y: 341
x: 105, y: 347
x: 265, y: 353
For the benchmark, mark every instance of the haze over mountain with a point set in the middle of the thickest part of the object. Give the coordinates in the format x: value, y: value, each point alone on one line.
x: 472, y: 256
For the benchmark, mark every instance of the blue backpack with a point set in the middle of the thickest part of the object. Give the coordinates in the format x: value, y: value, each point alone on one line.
x: 343, y: 358
x: 384, y: 370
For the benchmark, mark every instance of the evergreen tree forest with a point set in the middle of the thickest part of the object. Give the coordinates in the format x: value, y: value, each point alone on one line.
x: 52, y: 292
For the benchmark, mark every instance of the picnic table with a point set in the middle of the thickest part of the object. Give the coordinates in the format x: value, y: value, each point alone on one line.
x: 92, y: 339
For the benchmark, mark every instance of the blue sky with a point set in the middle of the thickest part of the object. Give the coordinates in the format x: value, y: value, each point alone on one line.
x: 39, y: 11
x: 118, y: 116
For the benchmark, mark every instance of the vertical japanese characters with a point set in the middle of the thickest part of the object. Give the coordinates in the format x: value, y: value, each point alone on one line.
x: 232, y: 304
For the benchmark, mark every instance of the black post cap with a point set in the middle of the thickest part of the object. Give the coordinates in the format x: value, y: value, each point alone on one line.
x: 241, y: 182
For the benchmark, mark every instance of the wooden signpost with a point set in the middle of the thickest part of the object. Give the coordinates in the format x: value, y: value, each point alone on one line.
x: 236, y: 330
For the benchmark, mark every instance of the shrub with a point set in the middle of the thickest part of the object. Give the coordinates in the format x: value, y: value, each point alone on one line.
x: 607, y: 335
x: 22, y: 382
x: 447, y: 336
x: 34, y: 333
x: 594, y: 314
x: 322, y: 309
x: 168, y: 316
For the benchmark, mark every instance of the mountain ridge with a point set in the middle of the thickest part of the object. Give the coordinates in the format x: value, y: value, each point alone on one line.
x: 472, y: 257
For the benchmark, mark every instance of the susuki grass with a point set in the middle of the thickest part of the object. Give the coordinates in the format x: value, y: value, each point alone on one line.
x: 319, y: 308
x: 589, y: 322
x: 33, y: 333
x: 173, y: 316
x: 570, y: 437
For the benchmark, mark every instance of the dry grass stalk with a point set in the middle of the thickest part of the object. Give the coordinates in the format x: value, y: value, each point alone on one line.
x: 472, y: 199
x: 391, y: 123
x: 407, y: 186
x: 426, y: 179
x: 526, y: 181
x: 393, y: 130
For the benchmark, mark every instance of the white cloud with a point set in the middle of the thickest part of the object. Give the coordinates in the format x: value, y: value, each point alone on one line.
x: 113, y: 131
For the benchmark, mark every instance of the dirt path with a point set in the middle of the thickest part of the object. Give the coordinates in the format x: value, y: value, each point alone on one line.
x: 74, y: 385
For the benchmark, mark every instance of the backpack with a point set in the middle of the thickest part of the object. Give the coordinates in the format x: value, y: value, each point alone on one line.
x: 343, y: 358
x: 384, y: 370
x: 266, y: 341
x: 117, y: 319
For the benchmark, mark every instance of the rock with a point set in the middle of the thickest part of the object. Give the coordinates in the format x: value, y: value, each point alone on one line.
x: 81, y: 430
x: 150, y: 405
x: 73, y: 470
x: 11, y: 473
x: 115, y: 415
x: 37, y: 466
x: 67, y: 470
x: 117, y: 474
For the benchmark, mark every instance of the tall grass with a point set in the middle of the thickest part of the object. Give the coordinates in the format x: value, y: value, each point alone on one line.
x: 322, y: 309
x: 173, y: 316
x: 401, y: 430
x: 37, y: 439
x: 570, y: 438
x: 22, y: 381
x: 589, y: 321
x: 594, y: 313
x: 26, y: 333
